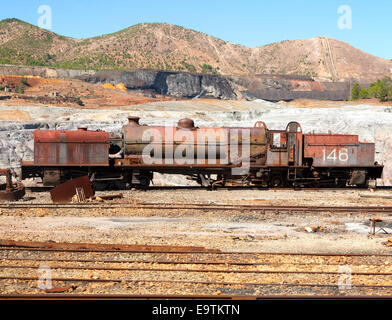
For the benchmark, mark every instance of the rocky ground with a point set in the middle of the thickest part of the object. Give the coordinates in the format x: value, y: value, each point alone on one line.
x: 244, y: 230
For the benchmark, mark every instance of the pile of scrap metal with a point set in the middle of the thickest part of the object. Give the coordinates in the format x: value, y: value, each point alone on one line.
x: 10, y: 191
x: 78, y: 190
x: 79, y: 187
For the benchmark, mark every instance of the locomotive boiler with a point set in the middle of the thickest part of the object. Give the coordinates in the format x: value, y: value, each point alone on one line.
x: 211, y: 156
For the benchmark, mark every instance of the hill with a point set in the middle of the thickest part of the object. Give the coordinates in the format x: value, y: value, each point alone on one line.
x: 23, y: 43
x: 174, y: 48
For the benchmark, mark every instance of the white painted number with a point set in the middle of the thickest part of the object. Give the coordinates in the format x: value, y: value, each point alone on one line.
x: 343, y: 155
x: 334, y: 155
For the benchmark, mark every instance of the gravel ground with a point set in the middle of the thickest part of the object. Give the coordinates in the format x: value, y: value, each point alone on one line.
x: 146, y: 274
x: 224, y: 230
x: 244, y: 231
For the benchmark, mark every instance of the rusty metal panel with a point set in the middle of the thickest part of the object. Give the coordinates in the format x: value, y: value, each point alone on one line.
x: 338, y: 151
x: 366, y: 154
x: 195, y: 142
x: 64, y: 192
x: 294, y: 143
x: 71, y: 148
x: 330, y: 139
x: 277, y: 158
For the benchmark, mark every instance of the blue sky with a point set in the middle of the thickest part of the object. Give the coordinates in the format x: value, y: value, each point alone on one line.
x: 248, y: 22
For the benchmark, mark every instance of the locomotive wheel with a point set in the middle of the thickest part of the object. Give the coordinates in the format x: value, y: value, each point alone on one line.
x: 100, y: 186
x: 364, y: 185
x: 276, y: 181
x: 341, y: 183
x: 120, y: 185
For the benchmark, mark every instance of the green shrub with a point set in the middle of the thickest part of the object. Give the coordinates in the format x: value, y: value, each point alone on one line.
x: 364, y: 94
x: 355, y: 91
x: 381, y: 89
x: 24, y: 82
x: 79, y: 101
x: 20, y: 89
x: 206, y: 68
x: 188, y: 66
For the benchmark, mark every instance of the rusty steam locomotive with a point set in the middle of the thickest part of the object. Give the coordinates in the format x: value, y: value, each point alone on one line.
x: 212, y: 156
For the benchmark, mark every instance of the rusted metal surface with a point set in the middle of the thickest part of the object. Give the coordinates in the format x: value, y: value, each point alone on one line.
x: 91, y: 247
x: 10, y: 191
x: 285, y: 146
x: 112, y: 196
x: 187, y: 124
x: 51, y: 177
x: 294, y: 143
x: 65, y: 192
x: 200, y: 276
x: 139, y: 297
x: 154, y: 269
x: 189, y: 297
x: 215, y: 207
x: 366, y: 154
x: 333, y: 150
x: 373, y: 222
x: 71, y: 148
x: 60, y: 290
x: 171, y: 145
x: 188, y: 149
x: 358, y: 177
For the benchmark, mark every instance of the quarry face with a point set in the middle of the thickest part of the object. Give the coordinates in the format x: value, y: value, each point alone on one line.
x: 371, y: 122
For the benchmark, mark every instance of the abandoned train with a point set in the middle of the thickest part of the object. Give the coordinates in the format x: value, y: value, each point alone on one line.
x: 211, y: 156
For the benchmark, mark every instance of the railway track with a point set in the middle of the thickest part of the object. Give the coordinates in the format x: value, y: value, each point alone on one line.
x: 228, y: 188
x: 201, y: 207
x: 89, y: 269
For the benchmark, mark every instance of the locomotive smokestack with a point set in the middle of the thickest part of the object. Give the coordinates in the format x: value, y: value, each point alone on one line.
x: 186, y: 123
x: 133, y: 120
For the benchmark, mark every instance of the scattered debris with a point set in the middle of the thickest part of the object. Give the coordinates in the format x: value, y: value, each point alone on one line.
x: 373, y: 222
x: 99, y: 199
x: 308, y: 229
x: 314, y: 229
x: 388, y: 243
x: 10, y: 191
x: 375, y: 196
x: 61, y: 290
x: 244, y: 238
x: 103, y: 247
x: 66, y: 191
x: 80, y: 195
x: 112, y: 196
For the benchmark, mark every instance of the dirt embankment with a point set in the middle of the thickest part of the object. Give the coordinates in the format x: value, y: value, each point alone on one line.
x: 22, y: 89
x: 271, y: 87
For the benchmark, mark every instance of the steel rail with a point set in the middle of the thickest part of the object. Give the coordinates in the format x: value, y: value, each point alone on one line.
x: 63, y: 296
x: 195, y: 270
x: 69, y: 296
x: 200, y: 252
x: 242, y: 284
x: 204, y: 207
x: 198, y: 262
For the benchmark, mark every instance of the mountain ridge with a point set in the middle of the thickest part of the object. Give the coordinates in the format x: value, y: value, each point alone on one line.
x: 164, y: 46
